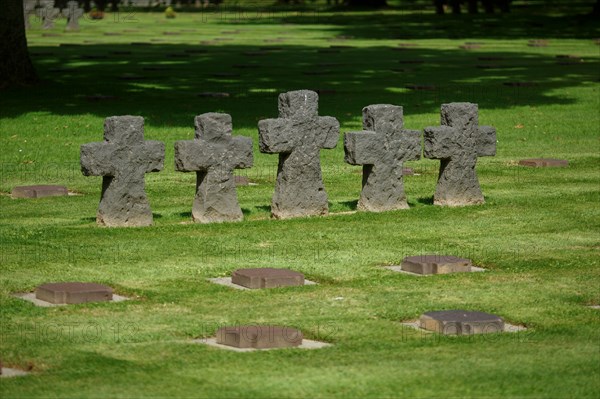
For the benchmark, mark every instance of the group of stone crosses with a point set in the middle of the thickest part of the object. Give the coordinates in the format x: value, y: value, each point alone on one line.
x: 297, y: 135
x: 47, y: 13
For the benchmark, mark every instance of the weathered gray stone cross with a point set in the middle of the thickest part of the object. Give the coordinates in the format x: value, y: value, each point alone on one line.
x: 382, y: 148
x: 458, y: 143
x: 72, y: 13
x: 122, y: 159
x: 213, y: 155
x: 298, y: 136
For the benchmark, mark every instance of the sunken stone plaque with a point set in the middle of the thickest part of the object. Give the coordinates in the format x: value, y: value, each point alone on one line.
x: 39, y: 191
x: 544, y: 163
x: 266, y: 278
x: 457, y: 144
x: 213, y: 155
x: 259, y: 337
x: 435, y: 264
x: 461, y: 322
x: 381, y: 148
x: 122, y: 159
x: 69, y: 293
x: 298, y: 136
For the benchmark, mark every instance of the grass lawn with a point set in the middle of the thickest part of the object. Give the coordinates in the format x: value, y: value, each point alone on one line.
x: 537, y: 235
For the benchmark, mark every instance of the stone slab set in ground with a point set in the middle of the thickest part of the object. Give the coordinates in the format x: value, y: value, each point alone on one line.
x: 457, y: 144
x: 544, y: 162
x: 122, y: 159
x: 73, y: 292
x: 213, y: 155
x: 435, y: 264
x: 381, y: 148
x: 297, y: 136
x: 38, y: 191
x: 461, y: 322
x: 267, y: 278
x: 259, y: 337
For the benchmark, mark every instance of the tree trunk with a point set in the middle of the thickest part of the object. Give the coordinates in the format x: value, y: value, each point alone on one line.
x: 439, y: 6
x: 16, y: 68
x: 472, y: 4
x: 455, y: 4
x: 488, y: 6
x: 504, y: 5
x: 596, y: 10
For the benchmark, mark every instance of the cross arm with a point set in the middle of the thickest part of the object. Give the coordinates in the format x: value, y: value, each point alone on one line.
x: 276, y: 136
x: 410, y: 145
x: 331, y: 131
x: 486, y: 141
x: 95, y: 159
x: 154, y: 155
x: 438, y: 142
x: 242, y: 147
x: 193, y: 155
x: 362, y: 148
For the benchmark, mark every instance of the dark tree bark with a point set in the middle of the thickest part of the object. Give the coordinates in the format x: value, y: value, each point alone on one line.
x: 472, y: 4
x: 455, y: 4
x: 16, y: 68
x: 504, y: 5
x: 488, y: 6
x: 439, y: 6
x: 596, y: 10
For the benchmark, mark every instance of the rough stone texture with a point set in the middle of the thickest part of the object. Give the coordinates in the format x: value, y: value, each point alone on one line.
x: 259, y: 337
x: 544, y: 162
x: 381, y: 148
x: 213, y: 155
x: 38, y: 191
x: 72, y: 13
x: 47, y: 13
x: 435, y: 264
x: 298, y: 136
x: 461, y: 322
x: 69, y: 293
x: 267, y: 278
x: 123, y: 159
x: 458, y: 143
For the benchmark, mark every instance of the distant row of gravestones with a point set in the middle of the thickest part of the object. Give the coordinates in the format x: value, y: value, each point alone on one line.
x: 47, y: 13
x: 297, y: 136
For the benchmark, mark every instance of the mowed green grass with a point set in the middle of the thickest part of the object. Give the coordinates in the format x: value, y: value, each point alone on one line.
x: 537, y: 234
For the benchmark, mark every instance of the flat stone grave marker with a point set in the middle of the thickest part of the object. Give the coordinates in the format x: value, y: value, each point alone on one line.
x: 435, y: 264
x: 259, y: 337
x: 298, y: 136
x: 461, y: 322
x: 72, y: 293
x: 72, y: 13
x: 457, y: 144
x: 267, y: 278
x: 470, y: 46
x: 8, y: 372
x: 39, y: 191
x: 213, y: 94
x: 544, y: 162
x: 213, y: 155
x: 123, y: 159
x: 538, y: 43
x: 421, y: 87
x: 382, y: 148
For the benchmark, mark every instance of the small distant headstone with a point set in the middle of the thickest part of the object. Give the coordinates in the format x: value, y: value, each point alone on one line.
x: 267, y: 278
x: 435, y: 264
x: 544, y: 162
x: 122, y: 159
x: 213, y: 155
x: 213, y: 94
x: 298, y: 136
x: 470, y: 46
x: 381, y: 148
x: 538, y: 43
x: 75, y: 292
x: 259, y: 337
x: 72, y: 13
x: 461, y: 322
x: 48, y: 13
x: 39, y: 191
x: 457, y: 144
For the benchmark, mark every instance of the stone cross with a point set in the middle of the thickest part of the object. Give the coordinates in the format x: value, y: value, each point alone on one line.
x: 382, y: 148
x: 298, y: 136
x: 28, y: 9
x: 458, y: 143
x: 47, y: 13
x: 213, y: 155
x: 122, y: 159
x: 72, y: 13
